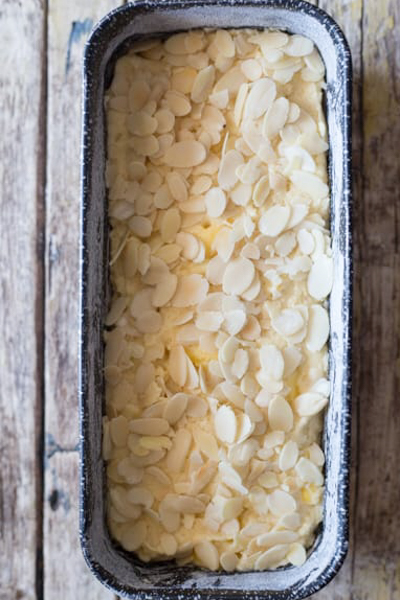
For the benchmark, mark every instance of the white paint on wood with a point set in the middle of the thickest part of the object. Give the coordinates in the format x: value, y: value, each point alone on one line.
x: 66, y: 575
x: 21, y: 175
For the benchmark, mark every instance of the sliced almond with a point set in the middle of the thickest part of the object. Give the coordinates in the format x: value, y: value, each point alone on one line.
x: 206, y: 443
x: 225, y: 424
x: 280, y: 414
x: 288, y: 456
x: 274, y: 220
x: 207, y: 554
x: 215, y: 201
x: 308, y: 471
x: 175, y: 408
x: 178, y: 103
x: 281, y: 503
x: 176, y: 457
x: 238, y: 276
x: 318, y: 328
x: 298, y: 45
x: 192, y: 289
x: 185, y: 154
x: 203, y: 83
x: 227, y: 177
x: 297, y: 554
x: 310, y: 403
x: 178, y: 365
x: 275, y: 118
x: 148, y: 426
x: 320, y: 278
x: 309, y: 184
x: 260, y: 98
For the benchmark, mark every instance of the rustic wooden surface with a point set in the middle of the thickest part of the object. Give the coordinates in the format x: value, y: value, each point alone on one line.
x: 40, y: 86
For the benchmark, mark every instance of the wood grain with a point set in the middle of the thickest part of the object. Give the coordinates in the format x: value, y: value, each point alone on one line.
x: 29, y: 368
x: 66, y: 575
x: 21, y: 325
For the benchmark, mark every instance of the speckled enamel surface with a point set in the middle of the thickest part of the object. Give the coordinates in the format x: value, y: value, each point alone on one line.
x: 116, y: 568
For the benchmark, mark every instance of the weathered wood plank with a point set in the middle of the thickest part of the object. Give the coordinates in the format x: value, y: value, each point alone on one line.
x: 348, y: 15
x: 66, y: 575
x: 21, y: 299
x: 377, y: 524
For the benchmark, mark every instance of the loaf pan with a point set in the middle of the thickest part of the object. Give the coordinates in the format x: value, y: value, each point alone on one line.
x: 117, y: 569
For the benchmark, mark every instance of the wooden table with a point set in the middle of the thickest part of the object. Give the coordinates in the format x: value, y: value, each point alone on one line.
x: 40, y: 87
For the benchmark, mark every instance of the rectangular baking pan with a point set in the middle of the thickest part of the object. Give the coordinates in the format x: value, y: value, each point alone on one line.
x: 116, y: 568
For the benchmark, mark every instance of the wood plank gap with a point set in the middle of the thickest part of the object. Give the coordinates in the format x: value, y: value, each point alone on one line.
x: 40, y: 312
x: 357, y: 294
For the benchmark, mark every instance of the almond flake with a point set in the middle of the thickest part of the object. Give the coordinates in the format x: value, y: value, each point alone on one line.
x: 234, y: 321
x: 192, y: 289
x: 202, y: 84
x: 140, y: 123
x: 219, y: 99
x: 196, y: 407
x: 169, y: 253
x: 134, y: 536
x: 261, y: 191
x: 180, y: 447
x: 318, y: 328
x: 320, y: 278
x: 215, y: 270
x: 145, y: 146
x: 175, y: 44
x: 149, y: 426
x: 170, y: 225
x: 239, y: 103
x: 138, y: 94
x: 168, y: 543
x: 260, y: 98
x: 275, y: 118
x: 215, y: 201
x: 288, y: 456
x: 274, y: 220
x: 240, y: 363
x: 281, y: 503
x: 227, y: 177
x: 178, y: 103
x: 276, y: 537
x: 231, y: 81
x: 233, y: 394
x: 206, y: 443
x: 293, y: 358
x: 299, y: 211
x: 185, y: 154
x: 310, y: 403
x: 296, y: 555
x: 309, y: 184
x: 140, y: 226
x: 178, y: 365
x: 175, y: 407
x: 238, y: 276
x: 241, y: 194
x: 225, y: 424
x: 288, y: 322
x: 189, y: 244
x: 149, y: 322
x: 207, y: 554
x: 209, y: 321
x: 177, y: 187
x: 280, y: 414
x: 229, y: 561
x: 272, y: 362
x: 298, y: 45
x: 309, y: 472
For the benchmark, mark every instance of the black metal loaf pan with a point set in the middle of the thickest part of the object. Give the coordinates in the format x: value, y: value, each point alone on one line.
x: 114, y: 567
